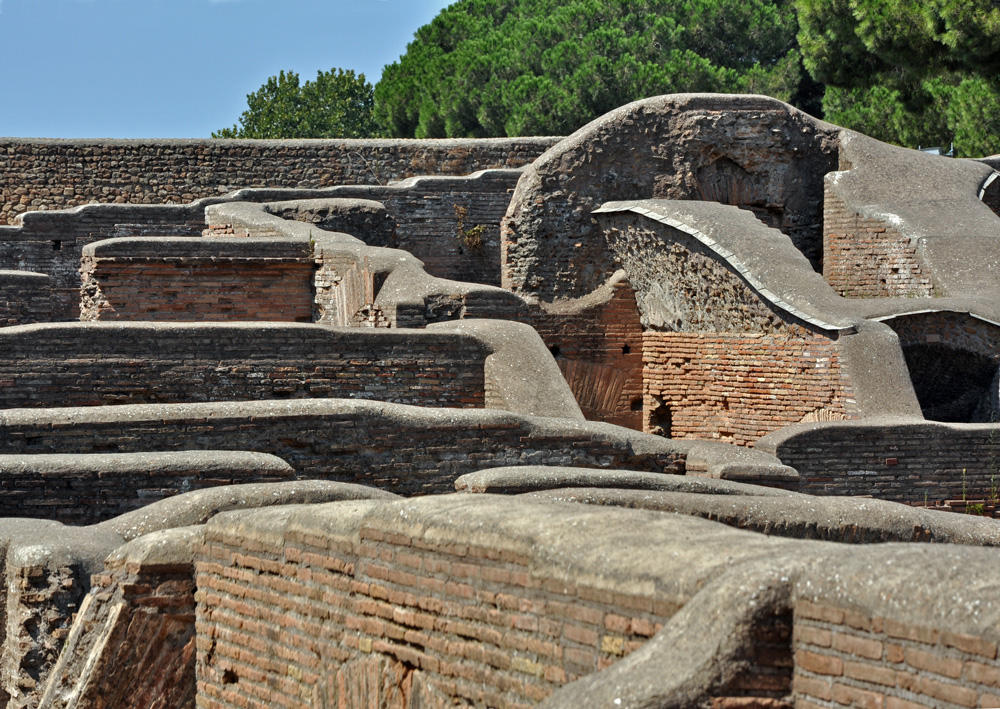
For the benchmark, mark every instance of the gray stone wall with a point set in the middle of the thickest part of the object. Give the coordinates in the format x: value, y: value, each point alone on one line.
x: 54, y: 174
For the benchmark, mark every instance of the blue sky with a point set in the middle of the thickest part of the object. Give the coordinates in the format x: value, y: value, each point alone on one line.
x: 178, y: 68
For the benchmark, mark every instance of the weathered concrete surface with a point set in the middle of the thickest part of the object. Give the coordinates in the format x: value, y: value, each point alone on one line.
x: 533, y: 478
x: 750, y: 151
x: 932, y: 200
x: 49, y: 567
x: 198, y: 507
x: 521, y: 375
x: 366, y: 219
x: 848, y: 520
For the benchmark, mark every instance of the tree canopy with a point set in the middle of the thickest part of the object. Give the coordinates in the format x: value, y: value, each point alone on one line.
x: 914, y: 72
x: 534, y: 67
x: 337, y: 104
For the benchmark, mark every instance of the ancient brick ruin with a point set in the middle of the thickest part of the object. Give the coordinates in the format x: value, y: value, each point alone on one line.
x: 622, y: 419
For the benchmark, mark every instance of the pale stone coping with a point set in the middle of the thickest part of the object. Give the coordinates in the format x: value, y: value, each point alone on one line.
x: 974, y: 316
x: 14, y: 275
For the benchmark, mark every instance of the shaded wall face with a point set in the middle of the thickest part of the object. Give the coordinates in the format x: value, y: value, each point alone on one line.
x: 81, y: 367
x: 764, y: 159
x: 720, y: 362
x: 913, y: 463
x: 954, y: 363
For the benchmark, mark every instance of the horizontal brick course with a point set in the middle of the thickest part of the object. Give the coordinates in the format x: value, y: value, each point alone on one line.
x: 467, y: 646
x: 739, y: 387
x: 85, y: 365
x: 887, y: 662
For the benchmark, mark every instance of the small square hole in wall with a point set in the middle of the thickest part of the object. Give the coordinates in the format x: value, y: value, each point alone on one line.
x: 56, y: 245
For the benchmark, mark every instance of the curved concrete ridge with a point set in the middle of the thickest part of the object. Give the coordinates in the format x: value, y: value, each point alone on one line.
x: 26, y: 276
x: 198, y: 507
x: 521, y: 374
x: 534, y: 478
x: 933, y: 200
x: 193, y: 247
x: 138, y: 463
x: 838, y: 519
x: 776, y: 439
x: 763, y: 257
x: 648, y: 149
x: 701, y: 650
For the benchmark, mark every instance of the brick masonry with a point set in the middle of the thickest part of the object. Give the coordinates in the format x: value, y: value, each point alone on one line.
x: 904, y: 462
x: 82, y: 490
x: 197, y: 287
x: 739, y: 387
x: 598, y: 347
x: 25, y: 298
x: 848, y: 658
x: 90, y: 365
x: 869, y: 258
x: 55, y: 174
x: 138, y: 627
x: 474, y: 623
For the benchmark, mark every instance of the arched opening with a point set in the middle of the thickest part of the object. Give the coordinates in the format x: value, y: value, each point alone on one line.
x: 952, y: 384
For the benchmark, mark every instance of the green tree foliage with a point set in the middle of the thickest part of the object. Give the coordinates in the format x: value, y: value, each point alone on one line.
x: 535, y: 67
x: 337, y: 104
x: 908, y: 71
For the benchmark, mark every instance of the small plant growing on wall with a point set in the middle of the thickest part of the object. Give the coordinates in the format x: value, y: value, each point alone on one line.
x: 472, y: 238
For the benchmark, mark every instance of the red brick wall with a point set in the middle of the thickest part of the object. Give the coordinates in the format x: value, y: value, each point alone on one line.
x: 197, y: 289
x: 852, y: 659
x: 599, y: 350
x: 279, y: 625
x: 867, y: 258
x: 738, y: 387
